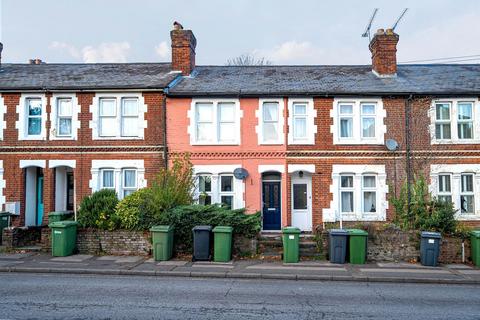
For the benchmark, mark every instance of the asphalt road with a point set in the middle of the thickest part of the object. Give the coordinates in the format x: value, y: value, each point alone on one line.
x: 47, y: 296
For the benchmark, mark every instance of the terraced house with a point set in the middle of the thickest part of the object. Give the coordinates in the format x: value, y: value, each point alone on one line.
x: 303, y: 144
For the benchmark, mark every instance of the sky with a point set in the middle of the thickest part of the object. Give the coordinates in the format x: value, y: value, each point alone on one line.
x: 283, y: 32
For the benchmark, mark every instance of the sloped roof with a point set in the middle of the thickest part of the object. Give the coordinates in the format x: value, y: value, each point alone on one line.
x: 439, y: 79
x: 54, y: 76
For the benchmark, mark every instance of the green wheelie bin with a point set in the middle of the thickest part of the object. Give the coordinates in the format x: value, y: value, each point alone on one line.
x: 64, y: 238
x: 222, y: 243
x: 291, y: 244
x: 475, y: 247
x: 56, y: 216
x: 357, y: 246
x: 4, y: 222
x: 162, y: 242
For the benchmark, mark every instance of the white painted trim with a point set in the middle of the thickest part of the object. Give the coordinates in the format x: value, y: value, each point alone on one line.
x: 302, y: 218
x: 453, y: 121
x: 33, y: 163
x: 332, y: 214
x: 380, y: 127
x: 311, y: 127
x: 21, y: 123
x: 94, y: 124
x: 281, y: 122
x: 76, y: 109
x: 271, y: 168
x: 191, y: 129
x: 310, y: 168
x: 455, y: 171
x: 61, y: 163
x: 3, y: 112
x: 3, y: 184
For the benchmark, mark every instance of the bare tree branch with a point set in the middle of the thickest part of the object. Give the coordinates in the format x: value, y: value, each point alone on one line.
x: 248, y: 60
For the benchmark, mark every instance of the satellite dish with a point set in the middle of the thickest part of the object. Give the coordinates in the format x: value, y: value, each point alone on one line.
x: 391, y: 144
x: 240, y: 173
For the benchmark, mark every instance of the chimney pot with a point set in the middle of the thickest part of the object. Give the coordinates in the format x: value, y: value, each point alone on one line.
x: 31, y: 61
x: 384, y: 53
x: 183, y: 49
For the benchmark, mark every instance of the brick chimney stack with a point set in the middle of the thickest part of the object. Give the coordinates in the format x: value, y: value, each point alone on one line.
x: 384, y: 53
x: 183, y: 49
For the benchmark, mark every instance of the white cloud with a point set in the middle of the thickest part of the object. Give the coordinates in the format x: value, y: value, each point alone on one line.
x: 163, y: 50
x: 104, y: 52
x: 291, y: 52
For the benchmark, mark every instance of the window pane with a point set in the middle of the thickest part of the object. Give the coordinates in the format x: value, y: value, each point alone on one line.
x: 129, y: 127
x: 65, y: 126
x: 270, y: 111
x: 445, y: 199
x: 107, y: 179
x: 346, y: 181
x: 368, y: 127
x: 205, y: 183
x: 34, y: 107
x: 369, y: 202
x: 127, y: 192
x: 467, y: 204
x: 226, y: 183
x: 226, y: 112
x: 227, y: 201
x: 442, y: 131
x: 129, y: 178
x: 107, y: 107
x: 300, y: 128
x: 467, y: 183
x: 300, y: 109
x: 204, y: 112
x: 368, y: 109
x: 346, y: 127
x: 64, y: 107
x: 34, y: 126
x: 299, y: 196
x: 347, y: 202
x: 130, y: 107
x: 205, y: 131
x: 227, y: 132
x: 443, y: 111
x: 270, y: 132
x: 444, y: 183
x: 346, y: 109
x: 465, y: 130
x: 465, y: 111
x: 369, y: 182
x: 108, y: 127
x: 205, y: 200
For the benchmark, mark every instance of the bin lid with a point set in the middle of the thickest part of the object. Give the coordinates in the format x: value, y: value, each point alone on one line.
x: 224, y: 229
x: 357, y: 232
x: 427, y: 234
x: 476, y: 233
x: 338, y: 232
x: 62, y: 224
x: 202, y: 228
x: 161, y: 228
x: 60, y: 213
x: 5, y: 214
x: 289, y: 230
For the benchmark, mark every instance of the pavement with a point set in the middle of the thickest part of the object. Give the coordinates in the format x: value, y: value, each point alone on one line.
x: 239, y: 269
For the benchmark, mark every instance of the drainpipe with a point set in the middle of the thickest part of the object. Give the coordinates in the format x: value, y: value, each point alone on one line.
x: 408, y: 150
x: 164, y: 115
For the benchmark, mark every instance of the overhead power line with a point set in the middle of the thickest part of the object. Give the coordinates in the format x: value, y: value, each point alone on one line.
x: 446, y: 59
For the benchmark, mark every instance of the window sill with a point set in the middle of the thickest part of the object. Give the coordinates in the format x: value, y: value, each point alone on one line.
x: 362, y: 217
x: 468, y: 217
x: 214, y: 143
x: 118, y: 138
x: 358, y: 142
x: 456, y: 141
x: 32, y: 138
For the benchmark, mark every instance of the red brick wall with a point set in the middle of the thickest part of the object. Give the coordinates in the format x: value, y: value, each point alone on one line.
x: 384, y: 53
x: 183, y: 50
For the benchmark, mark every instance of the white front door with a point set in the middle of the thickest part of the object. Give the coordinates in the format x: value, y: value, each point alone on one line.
x: 302, y: 201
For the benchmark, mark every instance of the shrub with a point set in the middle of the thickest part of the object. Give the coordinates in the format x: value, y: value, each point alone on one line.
x: 128, y: 210
x: 97, y: 210
x: 184, y: 218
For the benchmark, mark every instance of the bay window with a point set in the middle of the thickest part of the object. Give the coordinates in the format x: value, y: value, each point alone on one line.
x: 226, y: 190
x: 205, y: 189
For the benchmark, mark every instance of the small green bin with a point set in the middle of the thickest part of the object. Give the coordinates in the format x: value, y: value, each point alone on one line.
x: 59, y: 216
x: 4, y: 222
x: 162, y: 241
x: 64, y: 238
x: 291, y: 244
x: 475, y: 247
x: 357, y: 246
x: 222, y: 243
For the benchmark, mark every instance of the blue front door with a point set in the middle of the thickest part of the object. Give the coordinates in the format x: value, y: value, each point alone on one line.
x: 272, y: 216
x: 39, y: 198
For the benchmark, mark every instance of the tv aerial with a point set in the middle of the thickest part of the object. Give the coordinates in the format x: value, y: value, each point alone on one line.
x: 366, y: 33
x: 399, y: 18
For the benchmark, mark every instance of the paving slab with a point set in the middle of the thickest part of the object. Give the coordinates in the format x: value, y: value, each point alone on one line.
x: 294, y: 268
x: 73, y: 258
x: 399, y: 265
x: 7, y: 263
x: 16, y: 256
x: 177, y: 263
x: 423, y: 271
x: 129, y: 259
x: 107, y: 258
x: 458, y: 266
x: 219, y: 266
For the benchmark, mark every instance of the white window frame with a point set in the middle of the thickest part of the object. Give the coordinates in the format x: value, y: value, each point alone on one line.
x: 311, y: 128
x: 22, y: 123
x: 3, y: 112
x: 281, y: 122
x: 124, y: 187
x: 348, y: 190
x: 345, y: 116
x: 368, y: 189
x: 201, y: 193
x: 468, y: 121
x: 124, y: 116
x: 94, y: 124
x: 467, y: 193
x: 454, y: 121
x: 102, y: 182
x: 226, y: 193
x: 444, y: 193
x: 118, y: 166
x: 334, y: 214
x: 456, y: 171
x: 367, y: 116
x: 357, y: 138
x: 192, y: 115
x: 443, y: 121
x: 54, y: 117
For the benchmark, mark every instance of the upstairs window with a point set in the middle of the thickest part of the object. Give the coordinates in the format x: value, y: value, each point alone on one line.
x: 455, y: 121
x: 299, y: 121
x: 346, y: 120
x: 108, y: 117
x: 270, y: 122
x: 465, y: 120
x: 129, y: 121
x: 34, y: 116
x: 368, y: 120
x: 442, y: 124
x: 64, y: 117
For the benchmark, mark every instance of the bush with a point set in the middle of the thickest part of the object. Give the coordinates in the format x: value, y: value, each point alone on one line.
x: 184, y: 218
x: 128, y: 210
x: 426, y: 212
x: 97, y: 210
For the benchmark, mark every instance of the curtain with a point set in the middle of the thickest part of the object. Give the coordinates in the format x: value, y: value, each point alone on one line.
x: 347, y: 201
x: 300, y: 127
x: 130, y: 107
x: 369, y: 201
x: 65, y: 126
x: 130, y: 178
x: 368, y: 127
x: 346, y: 128
x: 107, y: 179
